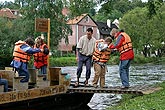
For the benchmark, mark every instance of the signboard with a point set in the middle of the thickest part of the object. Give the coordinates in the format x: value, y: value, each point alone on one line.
x: 41, y: 25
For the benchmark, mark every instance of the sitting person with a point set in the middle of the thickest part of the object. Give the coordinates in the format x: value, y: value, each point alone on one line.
x: 4, y: 82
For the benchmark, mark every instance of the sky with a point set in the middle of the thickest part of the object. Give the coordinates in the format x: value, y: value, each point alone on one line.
x: 13, y: 0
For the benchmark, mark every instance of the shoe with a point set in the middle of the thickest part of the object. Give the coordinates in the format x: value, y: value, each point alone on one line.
x: 95, y: 85
x: 85, y: 82
x: 124, y: 87
x: 103, y: 86
x: 76, y: 84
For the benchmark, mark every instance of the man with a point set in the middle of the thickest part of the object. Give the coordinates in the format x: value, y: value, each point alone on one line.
x: 85, y: 48
x: 124, y: 46
x: 40, y: 58
x: 21, y: 56
x: 4, y: 82
x: 101, y: 56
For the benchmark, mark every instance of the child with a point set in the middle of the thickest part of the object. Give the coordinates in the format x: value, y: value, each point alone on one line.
x: 101, y: 56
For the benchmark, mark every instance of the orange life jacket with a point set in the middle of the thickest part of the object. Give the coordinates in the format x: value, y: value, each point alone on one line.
x: 103, y: 56
x: 19, y: 54
x: 40, y: 59
x: 126, y: 45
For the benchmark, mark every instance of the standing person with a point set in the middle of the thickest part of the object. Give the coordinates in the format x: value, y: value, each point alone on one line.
x: 100, y: 58
x: 40, y: 58
x: 21, y: 56
x: 4, y: 82
x: 124, y: 46
x: 85, y: 49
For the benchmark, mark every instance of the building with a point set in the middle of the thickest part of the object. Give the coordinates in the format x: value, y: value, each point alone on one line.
x: 78, y: 25
x: 10, y: 14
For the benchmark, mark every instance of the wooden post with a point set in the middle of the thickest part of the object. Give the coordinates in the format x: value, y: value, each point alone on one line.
x: 48, y: 43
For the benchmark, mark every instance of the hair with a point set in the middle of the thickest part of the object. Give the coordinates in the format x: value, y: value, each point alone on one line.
x: 108, y: 39
x: 39, y: 39
x: 90, y: 30
x: 30, y: 41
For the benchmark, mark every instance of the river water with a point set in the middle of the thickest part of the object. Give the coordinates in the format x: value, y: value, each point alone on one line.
x: 139, y: 75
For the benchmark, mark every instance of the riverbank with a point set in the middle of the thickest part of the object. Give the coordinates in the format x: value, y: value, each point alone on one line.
x: 154, y: 101
x: 114, y: 60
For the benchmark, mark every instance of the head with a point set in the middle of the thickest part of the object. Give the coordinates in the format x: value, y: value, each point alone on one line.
x: 89, y: 32
x: 108, y: 40
x: 38, y: 41
x: 30, y: 41
x: 113, y: 32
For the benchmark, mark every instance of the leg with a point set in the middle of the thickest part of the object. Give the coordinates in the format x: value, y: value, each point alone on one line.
x: 124, y: 74
x: 43, y: 71
x: 88, y: 63
x: 5, y: 83
x: 102, y: 76
x: 97, y: 69
x: 24, y: 72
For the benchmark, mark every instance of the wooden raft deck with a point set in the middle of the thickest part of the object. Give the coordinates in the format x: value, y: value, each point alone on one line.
x: 139, y: 90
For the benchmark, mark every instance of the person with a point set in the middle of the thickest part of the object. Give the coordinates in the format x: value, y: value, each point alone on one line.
x: 40, y: 58
x: 85, y: 49
x: 21, y: 55
x: 124, y: 46
x: 100, y: 57
x: 4, y: 82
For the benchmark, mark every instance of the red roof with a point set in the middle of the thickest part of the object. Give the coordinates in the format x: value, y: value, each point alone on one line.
x: 76, y: 19
x: 5, y: 12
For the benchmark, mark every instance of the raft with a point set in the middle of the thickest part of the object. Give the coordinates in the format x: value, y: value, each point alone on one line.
x: 38, y: 92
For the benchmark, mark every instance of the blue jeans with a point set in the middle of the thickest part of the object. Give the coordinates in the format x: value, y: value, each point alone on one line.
x: 23, y: 71
x: 5, y: 83
x: 43, y: 71
x: 87, y: 60
x: 124, y: 72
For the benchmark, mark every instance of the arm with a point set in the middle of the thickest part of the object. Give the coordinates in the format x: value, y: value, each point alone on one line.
x: 30, y: 50
x: 118, y: 43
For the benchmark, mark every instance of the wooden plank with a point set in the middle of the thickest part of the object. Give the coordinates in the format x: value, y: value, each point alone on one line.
x: 151, y: 90
x: 14, y: 96
x: 142, y: 89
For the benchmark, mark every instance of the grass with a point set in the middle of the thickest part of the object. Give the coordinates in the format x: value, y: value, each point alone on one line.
x: 153, y: 101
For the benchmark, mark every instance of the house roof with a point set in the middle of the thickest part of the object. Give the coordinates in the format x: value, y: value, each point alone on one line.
x: 6, y: 12
x: 77, y: 19
x: 103, y: 28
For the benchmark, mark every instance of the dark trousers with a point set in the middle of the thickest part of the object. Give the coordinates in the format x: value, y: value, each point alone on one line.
x: 87, y: 60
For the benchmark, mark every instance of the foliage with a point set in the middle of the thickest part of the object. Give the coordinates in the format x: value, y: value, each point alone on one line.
x: 78, y: 7
x: 115, y: 9
x: 154, y: 101
x: 47, y: 9
x: 144, y: 30
x: 63, y: 61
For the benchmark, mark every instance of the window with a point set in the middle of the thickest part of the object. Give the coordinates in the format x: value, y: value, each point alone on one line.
x: 84, y: 29
x: 86, y: 19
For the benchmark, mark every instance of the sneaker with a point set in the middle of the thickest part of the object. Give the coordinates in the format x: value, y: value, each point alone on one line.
x: 124, y: 87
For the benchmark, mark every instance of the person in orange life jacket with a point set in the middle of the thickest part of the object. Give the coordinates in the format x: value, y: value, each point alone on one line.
x: 124, y: 46
x: 100, y: 57
x: 40, y: 59
x: 21, y: 55
x: 4, y: 82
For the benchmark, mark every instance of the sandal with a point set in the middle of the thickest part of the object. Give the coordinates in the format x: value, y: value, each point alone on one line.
x: 76, y: 84
x: 85, y: 82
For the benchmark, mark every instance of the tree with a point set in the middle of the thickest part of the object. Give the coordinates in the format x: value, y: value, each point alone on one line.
x: 47, y: 9
x: 78, y: 7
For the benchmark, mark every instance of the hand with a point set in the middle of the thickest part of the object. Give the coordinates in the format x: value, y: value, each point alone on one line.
x: 42, y: 50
